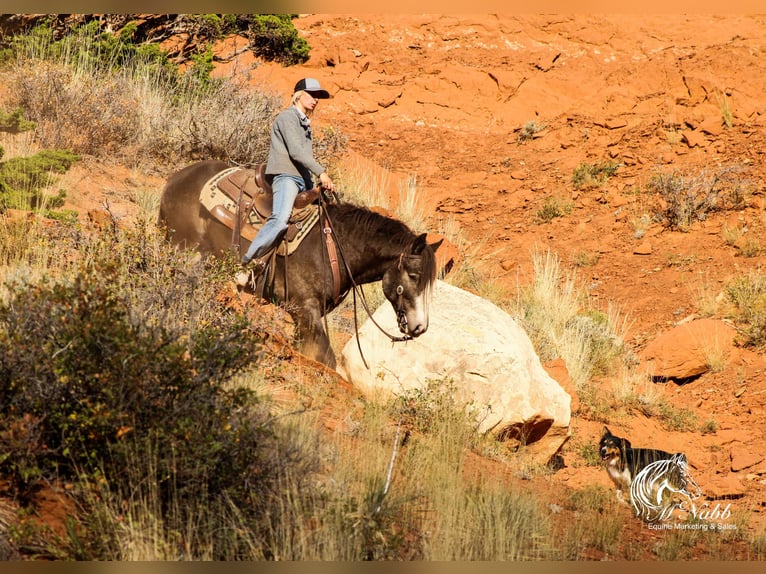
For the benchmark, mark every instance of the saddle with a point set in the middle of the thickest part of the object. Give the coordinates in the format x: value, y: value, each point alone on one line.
x: 247, y: 203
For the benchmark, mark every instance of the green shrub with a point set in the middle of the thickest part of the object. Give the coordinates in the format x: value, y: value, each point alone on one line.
x: 747, y: 295
x: 23, y: 178
x: 529, y: 130
x: 551, y: 209
x: 14, y: 122
x: 273, y: 37
x: 78, y: 375
x: 593, y: 174
x: 429, y: 408
x: 603, y: 344
x: 126, y: 378
x: 119, y: 355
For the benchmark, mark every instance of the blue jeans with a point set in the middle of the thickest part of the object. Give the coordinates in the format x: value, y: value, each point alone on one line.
x: 285, y: 188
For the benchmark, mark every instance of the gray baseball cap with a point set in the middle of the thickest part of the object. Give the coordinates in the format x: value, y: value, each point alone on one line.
x: 311, y: 86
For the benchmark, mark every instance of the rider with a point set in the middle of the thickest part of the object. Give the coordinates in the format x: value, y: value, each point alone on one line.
x: 290, y: 167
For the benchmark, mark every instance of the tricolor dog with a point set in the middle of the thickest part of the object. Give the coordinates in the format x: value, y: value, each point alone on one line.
x: 623, y: 462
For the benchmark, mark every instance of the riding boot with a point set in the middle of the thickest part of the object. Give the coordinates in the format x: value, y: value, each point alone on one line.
x: 251, y: 272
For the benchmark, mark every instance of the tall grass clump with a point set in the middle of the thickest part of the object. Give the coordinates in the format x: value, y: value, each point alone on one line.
x: 374, y: 186
x: 399, y: 489
x: 462, y: 517
x: 597, y: 523
x: 555, y: 314
x: 746, y: 300
x: 102, y: 95
x: 361, y: 512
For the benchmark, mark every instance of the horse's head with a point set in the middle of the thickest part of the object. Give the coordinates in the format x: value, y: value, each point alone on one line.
x: 408, y: 283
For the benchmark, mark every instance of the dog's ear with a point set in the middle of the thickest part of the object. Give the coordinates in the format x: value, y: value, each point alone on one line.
x: 625, y: 443
x: 606, y: 431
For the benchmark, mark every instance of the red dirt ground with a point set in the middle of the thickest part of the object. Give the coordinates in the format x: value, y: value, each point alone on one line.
x: 444, y: 98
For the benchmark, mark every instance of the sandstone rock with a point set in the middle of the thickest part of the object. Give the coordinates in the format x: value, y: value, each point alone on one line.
x: 694, y: 138
x: 484, y: 352
x: 507, y: 264
x: 686, y: 350
x: 557, y: 369
x: 615, y: 123
x: 712, y: 126
x: 361, y: 106
x: 644, y: 248
x: 723, y: 486
x: 742, y: 457
x: 698, y: 89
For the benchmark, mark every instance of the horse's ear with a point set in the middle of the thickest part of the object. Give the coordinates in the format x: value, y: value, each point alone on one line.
x: 419, y: 244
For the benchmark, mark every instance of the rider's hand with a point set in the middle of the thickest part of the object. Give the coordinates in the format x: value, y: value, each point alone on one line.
x: 326, y: 182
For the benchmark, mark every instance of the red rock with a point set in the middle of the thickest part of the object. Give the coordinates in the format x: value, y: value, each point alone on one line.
x: 615, y: 123
x: 742, y: 457
x: 711, y: 126
x: 685, y: 350
x: 644, y: 249
x: 723, y: 486
x: 694, y: 138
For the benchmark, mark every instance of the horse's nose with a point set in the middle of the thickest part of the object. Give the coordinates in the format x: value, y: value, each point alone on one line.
x: 418, y: 330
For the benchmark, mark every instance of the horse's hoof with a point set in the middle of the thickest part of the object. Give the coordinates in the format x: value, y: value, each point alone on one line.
x: 242, y: 278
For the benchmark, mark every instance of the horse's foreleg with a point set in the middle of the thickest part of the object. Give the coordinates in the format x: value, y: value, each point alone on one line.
x: 312, y: 337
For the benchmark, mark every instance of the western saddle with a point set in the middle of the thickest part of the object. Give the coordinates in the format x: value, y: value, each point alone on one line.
x: 251, y: 194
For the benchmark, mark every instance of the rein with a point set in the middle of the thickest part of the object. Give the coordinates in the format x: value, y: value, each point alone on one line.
x: 329, y: 232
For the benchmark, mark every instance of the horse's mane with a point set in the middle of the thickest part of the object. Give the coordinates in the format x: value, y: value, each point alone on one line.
x: 394, y: 232
x: 362, y: 217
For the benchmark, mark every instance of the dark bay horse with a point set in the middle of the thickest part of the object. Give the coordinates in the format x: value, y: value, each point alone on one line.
x: 371, y: 247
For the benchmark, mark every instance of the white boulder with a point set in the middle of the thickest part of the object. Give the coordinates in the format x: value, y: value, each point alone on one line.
x: 484, y: 352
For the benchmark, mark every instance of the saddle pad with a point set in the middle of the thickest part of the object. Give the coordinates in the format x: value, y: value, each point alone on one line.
x: 210, y: 196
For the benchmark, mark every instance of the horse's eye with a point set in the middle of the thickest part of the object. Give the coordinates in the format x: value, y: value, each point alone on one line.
x: 414, y: 276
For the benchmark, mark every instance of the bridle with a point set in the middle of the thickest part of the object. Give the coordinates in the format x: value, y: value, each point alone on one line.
x: 401, y: 316
x: 331, y: 243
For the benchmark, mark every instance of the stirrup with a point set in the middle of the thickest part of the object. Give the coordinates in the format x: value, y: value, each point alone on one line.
x: 252, y: 271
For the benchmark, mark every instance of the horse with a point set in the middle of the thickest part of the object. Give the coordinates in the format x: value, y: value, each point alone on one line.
x: 373, y: 247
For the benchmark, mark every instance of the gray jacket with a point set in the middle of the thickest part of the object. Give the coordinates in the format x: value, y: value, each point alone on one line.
x: 291, y: 149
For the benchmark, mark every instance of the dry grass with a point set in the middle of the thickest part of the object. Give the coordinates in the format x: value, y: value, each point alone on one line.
x: 134, y: 113
x: 554, y: 310
x: 684, y: 198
